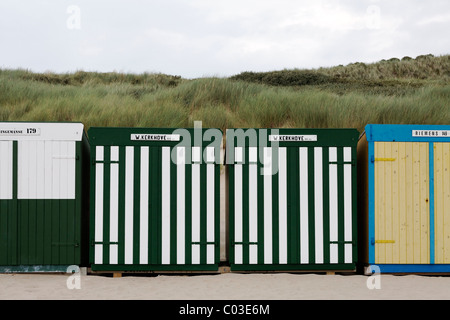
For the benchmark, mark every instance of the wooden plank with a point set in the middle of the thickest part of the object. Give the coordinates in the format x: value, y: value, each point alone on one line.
x: 395, y: 204
x: 442, y: 202
x: 438, y: 202
x: 409, y: 207
x: 416, y: 202
x: 380, y: 202
x: 388, y: 202
x: 424, y: 204
x: 446, y: 201
x: 402, y: 237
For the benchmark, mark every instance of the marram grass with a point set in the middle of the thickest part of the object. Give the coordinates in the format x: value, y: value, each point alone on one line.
x: 408, y: 91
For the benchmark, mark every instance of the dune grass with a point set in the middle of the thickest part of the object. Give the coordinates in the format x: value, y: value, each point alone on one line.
x: 407, y: 91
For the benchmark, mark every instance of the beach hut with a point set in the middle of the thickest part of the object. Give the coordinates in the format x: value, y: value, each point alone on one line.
x: 44, y: 189
x: 291, y: 199
x: 155, y: 199
x: 405, y: 198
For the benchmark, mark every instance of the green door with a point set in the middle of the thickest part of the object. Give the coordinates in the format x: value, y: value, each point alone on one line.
x: 40, y: 205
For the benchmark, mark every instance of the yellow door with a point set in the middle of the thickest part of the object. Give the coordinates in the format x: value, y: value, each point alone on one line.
x: 442, y: 202
x: 402, y: 203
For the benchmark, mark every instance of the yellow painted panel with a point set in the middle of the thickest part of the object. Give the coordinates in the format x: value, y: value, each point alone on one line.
x: 388, y: 194
x: 424, y: 201
x: 402, y: 203
x: 380, y: 251
x: 395, y: 233
x: 442, y: 202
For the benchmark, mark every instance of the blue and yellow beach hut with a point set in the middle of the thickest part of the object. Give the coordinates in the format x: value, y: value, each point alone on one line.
x: 404, y: 198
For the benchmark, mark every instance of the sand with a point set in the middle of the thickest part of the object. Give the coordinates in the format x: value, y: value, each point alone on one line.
x: 228, y: 286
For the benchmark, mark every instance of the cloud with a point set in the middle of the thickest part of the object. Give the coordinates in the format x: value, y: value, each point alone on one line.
x: 439, y: 19
x: 192, y: 38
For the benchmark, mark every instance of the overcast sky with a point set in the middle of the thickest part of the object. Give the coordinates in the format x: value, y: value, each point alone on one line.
x: 197, y: 38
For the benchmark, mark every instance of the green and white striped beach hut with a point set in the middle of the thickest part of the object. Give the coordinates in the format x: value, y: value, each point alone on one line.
x: 154, y: 199
x: 292, y: 199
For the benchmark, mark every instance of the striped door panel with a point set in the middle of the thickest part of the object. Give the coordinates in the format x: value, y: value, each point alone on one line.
x: 154, y: 207
x: 292, y: 206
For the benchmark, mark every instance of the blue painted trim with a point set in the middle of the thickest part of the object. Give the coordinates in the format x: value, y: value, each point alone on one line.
x: 411, y: 268
x: 431, y: 199
x: 403, y: 132
x: 371, y: 240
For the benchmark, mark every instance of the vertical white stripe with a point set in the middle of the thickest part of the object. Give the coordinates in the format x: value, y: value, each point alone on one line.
x: 238, y: 254
x: 129, y: 195
x: 61, y: 157
x: 143, y: 207
x: 210, y: 154
x: 32, y: 172
x: 282, y: 195
x: 238, y: 156
x: 114, y: 207
x: 210, y: 254
x: 114, y: 153
x: 318, y: 204
x: 348, y: 211
x: 348, y: 205
x: 238, y: 209
x: 114, y: 213
x: 253, y: 208
x: 268, y: 247
x: 40, y: 170
x: 196, y: 208
x: 210, y: 232
x: 304, y: 229
x: 99, y: 153
x: 22, y: 169
x: 6, y: 170
x: 165, y: 206
x: 181, y: 213
x: 9, y: 192
x: 48, y: 170
x: 99, y: 212
x: 333, y: 206
x: 196, y: 154
x: 195, y: 254
x: 347, y: 154
x: 56, y: 166
x: 71, y: 170
x: 252, y: 154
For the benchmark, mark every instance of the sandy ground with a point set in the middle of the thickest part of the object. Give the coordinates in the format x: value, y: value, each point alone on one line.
x: 228, y: 286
